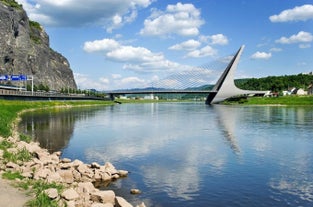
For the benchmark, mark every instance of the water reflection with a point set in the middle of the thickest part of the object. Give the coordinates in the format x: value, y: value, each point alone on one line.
x: 53, y: 128
x: 295, y: 176
x: 182, y: 154
x: 227, y: 120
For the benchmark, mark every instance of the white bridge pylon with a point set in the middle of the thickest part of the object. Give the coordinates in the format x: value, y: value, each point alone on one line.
x: 225, y: 87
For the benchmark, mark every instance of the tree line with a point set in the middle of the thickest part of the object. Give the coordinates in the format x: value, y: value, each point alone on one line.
x: 276, y: 83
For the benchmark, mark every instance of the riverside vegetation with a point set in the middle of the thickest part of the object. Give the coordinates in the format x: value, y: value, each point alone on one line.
x: 292, y: 100
x: 52, y: 181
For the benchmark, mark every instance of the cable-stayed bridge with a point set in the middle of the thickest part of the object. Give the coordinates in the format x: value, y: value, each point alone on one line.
x: 195, y: 81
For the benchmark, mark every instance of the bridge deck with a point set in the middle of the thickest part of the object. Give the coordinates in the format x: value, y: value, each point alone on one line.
x: 157, y: 92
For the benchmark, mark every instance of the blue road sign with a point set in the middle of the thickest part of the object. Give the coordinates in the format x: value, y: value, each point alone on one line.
x: 4, y: 77
x: 15, y: 77
x: 23, y: 77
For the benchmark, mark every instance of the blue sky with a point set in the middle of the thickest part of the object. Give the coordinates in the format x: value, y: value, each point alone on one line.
x: 114, y: 44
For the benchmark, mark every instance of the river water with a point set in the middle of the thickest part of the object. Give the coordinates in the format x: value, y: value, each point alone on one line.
x: 190, y: 154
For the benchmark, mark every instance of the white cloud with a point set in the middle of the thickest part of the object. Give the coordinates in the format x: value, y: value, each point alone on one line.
x: 180, y: 19
x: 116, y: 76
x: 104, y: 81
x: 101, y: 45
x: 304, y: 46
x: 108, y: 13
x: 193, y: 45
x: 301, y: 37
x: 187, y: 45
x: 203, y: 52
x: 133, y: 81
x: 261, y: 55
x: 85, y: 82
x: 275, y: 49
x: 116, y: 81
x: 299, y: 13
x: 217, y: 39
x: 138, y: 59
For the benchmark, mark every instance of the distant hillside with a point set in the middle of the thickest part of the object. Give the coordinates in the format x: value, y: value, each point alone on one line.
x: 25, y: 50
x: 276, y: 83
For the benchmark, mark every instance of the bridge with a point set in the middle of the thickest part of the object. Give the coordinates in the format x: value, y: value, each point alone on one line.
x: 224, y: 88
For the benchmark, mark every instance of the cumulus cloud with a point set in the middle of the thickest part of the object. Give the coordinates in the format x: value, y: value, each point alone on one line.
x: 203, y: 52
x: 85, y: 82
x: 137, y: 59
x: 111, y: 14
x: 261, y: 55
x: 301, y: 37
x: 275, y: 49
x: 101, y: 45
x: 187, y: 45
x: 133, y: 81
x: 115, y: 81
x: 299, y: 13
x: 180, y: 19
x: 304, y: 46
x: 217, y: 39
x: 195, y: 48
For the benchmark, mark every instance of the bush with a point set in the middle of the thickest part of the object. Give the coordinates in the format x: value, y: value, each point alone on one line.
x: 12, y: 3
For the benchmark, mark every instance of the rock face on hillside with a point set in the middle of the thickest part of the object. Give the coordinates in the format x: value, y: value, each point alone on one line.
x: 24, y: 49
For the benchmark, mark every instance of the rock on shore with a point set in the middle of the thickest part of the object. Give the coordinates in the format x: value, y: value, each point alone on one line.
x: 78, y: 177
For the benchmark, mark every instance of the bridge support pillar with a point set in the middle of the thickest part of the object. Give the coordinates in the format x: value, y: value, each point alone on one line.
x: 112, y: 98
x: 225, y: 87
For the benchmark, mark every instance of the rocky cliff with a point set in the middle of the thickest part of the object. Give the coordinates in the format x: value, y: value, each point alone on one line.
x: 24, y: 49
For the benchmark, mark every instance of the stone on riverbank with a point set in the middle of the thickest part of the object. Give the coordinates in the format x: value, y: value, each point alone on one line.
x: 121, y: 202
x: 78, y: 177
x: 135, y: 191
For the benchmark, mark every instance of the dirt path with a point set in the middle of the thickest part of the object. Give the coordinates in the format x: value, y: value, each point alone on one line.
x: 11, y: 196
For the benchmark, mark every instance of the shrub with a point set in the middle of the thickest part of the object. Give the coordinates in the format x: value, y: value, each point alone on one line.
x: 12, y: 3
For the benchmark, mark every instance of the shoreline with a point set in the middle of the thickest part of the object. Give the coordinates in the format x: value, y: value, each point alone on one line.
x: 8, y: 191
x: 76, y: 177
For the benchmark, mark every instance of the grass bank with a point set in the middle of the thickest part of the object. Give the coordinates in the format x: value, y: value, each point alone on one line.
x: 281, y: 100
x: 9, y: 110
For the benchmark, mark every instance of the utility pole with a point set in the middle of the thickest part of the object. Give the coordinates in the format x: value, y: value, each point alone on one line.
x: 32, y: 79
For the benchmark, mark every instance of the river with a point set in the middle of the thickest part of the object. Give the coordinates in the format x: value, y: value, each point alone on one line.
x: 190, y: 154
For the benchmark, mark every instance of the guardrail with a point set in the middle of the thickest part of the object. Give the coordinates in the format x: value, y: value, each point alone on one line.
x: 15, y: 94
x: 29, y: 93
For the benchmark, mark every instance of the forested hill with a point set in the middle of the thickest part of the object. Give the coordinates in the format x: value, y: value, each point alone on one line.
x: 276, y: 83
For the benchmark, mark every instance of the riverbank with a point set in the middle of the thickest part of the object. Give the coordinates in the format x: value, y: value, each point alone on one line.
x: 11, y: 196
x: 279, y: 101
x: 52, y: 181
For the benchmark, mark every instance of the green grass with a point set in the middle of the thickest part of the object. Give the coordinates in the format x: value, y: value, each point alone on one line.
x: 282, y: 100
x: 12, y: 175
x: 37, y: 188
x: 22, y: 155
x: 4, y: 144
x: 25, y: 138
x: 9, y: 110
x: 41, y: 199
